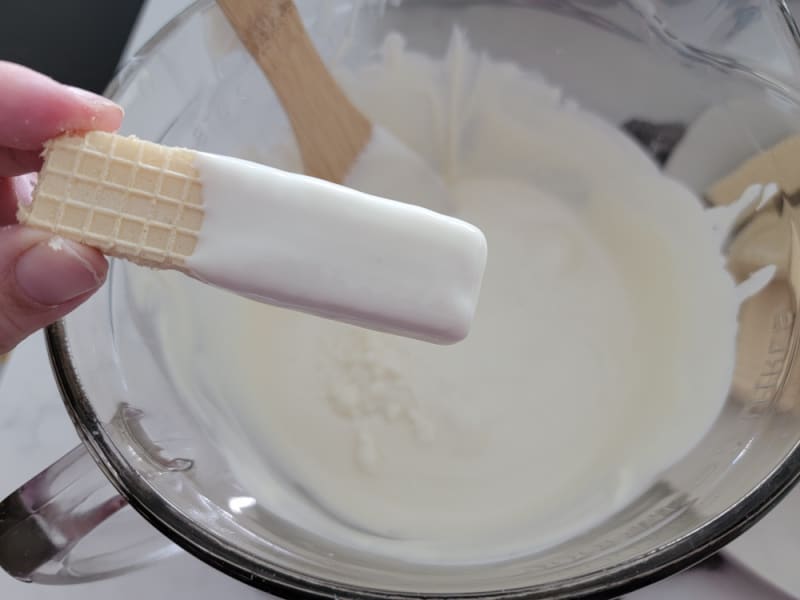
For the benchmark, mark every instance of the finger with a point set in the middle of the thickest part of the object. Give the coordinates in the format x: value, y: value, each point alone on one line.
x: 13, y: 191
x: 35, y: 108
x: 41, y: 280
x: 16, y: 162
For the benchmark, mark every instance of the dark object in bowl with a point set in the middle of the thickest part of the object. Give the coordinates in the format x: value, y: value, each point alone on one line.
x: 657, y: 139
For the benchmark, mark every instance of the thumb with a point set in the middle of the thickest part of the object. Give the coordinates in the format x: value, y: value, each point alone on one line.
x: 41, y: 280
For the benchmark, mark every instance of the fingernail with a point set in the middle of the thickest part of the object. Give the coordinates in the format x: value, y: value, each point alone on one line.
x: 55, y: 272
x: 95, y: 100
x: 23, y: 188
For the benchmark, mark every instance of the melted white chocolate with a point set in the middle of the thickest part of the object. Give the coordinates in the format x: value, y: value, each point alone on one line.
x: 601, y: 352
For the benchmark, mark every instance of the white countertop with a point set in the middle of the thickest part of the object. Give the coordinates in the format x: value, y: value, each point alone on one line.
x: 35, y: 431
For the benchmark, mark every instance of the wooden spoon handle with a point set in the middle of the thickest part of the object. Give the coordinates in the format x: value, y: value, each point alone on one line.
x: 330, y: 131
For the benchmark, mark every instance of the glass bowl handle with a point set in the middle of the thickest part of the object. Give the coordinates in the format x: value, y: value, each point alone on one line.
x: 69, y: 525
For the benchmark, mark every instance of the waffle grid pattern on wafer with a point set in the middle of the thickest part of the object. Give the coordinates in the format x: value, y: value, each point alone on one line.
x: 128, y: 197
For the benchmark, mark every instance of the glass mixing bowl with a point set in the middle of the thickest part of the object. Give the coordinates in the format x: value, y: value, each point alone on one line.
x: 654, y: 69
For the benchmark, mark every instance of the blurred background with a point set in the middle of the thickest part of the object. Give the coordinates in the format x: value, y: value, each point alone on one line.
x: 79, y: 42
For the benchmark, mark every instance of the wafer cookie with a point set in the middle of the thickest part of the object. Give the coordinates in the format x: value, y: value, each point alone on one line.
x: 128, y: 197
x: 777, y: 165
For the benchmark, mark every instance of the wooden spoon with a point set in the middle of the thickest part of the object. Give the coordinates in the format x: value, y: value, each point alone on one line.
x: 330, y: 131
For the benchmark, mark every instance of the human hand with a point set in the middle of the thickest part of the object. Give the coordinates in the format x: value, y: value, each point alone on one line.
x: 40, y: 280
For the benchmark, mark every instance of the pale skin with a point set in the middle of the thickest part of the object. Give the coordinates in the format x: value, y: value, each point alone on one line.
x: 40, y: 282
